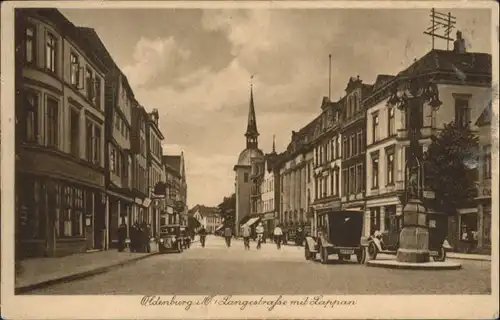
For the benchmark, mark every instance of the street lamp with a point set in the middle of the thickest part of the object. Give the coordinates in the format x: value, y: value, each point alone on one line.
x: 410, y: 95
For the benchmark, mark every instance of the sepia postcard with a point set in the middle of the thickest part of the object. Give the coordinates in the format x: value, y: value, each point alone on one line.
x: 249, y: 160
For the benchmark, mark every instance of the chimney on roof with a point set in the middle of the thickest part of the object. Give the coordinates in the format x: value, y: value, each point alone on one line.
x: 459, y: 44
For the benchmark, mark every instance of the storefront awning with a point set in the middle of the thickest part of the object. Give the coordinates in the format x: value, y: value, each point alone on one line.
x: 251, y: 221
x: 219, y: 227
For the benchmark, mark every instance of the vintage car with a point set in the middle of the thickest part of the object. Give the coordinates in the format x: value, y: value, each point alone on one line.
x: 170, y: 239
x: 388, y: 241
x: 339, y: 233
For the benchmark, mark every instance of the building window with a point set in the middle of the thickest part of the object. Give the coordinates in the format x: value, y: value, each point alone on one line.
x: 30, y: 35
x: 31, y: 133
x: 112, y: 159
x: 316, y: 191
x: 71, y: 215
x: 344, y: 148
x: 332, y: 183
x: 93, y: 142
x: 245, y: 177
x: 345, y: 182
x: 75, y: 132
x: 89, y: 84
x: 337, y: 148
x: 352, y: 180
x: 74, y: 70
x: 391, y: 122
x: 336, y: 176
x: 462, y: 112
x: 359, y: 178
x: 97, y: 98
x: 390, y: 167
x: 375, y: 171
x: 360, y: 141
x: 52, y: 122
x: 375, y: 128
x: 354, y: 151
x: 50, y: 53
x: 487, y: 162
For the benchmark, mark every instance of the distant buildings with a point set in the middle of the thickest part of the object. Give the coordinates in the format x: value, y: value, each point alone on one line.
x: 207, y: 217
x: 88, y: 155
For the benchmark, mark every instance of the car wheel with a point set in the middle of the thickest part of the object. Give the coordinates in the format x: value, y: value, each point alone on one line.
x: 441, y: 257
x: 324, y: 256
x: 372, y: 251
x: 361, y: 256
x: 307, y: 253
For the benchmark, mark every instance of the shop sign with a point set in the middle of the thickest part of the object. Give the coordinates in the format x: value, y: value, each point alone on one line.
x: 138, y: 201
x: 327, y: 205
x: 268, y: 216
x: 146, y: 203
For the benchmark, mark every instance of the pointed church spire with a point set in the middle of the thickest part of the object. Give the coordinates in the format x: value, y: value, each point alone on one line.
x: 252, y: 132
x: 274, y: 143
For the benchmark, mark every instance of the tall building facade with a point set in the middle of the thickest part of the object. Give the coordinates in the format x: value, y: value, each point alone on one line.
x: 176, y: 201
x: 243, y: 183
x: 327, y: 160
x: 140, y: 169
x: 154, y: 139
x: 60, y: 175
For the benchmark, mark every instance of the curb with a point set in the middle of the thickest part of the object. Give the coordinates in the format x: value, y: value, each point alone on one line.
x: 468, y: 258
x: 78, y: 276
x: 456, y: 266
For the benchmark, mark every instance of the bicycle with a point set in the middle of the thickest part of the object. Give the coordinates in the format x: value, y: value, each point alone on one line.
x: 259, y: 240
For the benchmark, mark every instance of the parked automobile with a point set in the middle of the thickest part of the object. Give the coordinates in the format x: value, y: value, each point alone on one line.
x: 388, y: 241
x: 340, y: 234
x: 170, y: 239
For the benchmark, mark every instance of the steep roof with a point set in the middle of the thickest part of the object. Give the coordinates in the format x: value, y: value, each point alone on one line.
x: 485, y: 117
x: 450, y: 61
x: 173, y: 162
x: 252, y: 119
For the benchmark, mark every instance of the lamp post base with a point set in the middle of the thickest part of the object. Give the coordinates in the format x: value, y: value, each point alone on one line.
x: 414, y: 238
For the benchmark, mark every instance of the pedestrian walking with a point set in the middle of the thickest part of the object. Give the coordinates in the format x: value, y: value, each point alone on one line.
x: 122, y: 236
x: 246, y: 236
x: 147, y: 237
x: 133, y: 237
x: 260, y: 234
x: 228, y: 234
x: 278, y: 234
x: 203, y: 235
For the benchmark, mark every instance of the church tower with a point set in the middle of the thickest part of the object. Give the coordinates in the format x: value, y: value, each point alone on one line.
x: 242, y: 169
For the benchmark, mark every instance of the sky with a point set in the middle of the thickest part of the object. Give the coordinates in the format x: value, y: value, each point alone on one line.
x: 194, y: 66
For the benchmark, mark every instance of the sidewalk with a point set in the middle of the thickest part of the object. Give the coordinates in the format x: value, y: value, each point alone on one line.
x: 41, y: 272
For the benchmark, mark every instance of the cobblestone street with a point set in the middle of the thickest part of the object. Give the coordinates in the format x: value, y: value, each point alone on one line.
x: 222, y: 270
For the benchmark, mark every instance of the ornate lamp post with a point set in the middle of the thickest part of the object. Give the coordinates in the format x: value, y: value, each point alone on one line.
x: 410, y: 96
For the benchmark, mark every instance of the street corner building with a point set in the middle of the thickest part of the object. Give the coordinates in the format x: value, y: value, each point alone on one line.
x: 88, y: 155
x: 353, y: 155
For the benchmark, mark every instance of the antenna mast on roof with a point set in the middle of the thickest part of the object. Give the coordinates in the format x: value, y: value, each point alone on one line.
x: 329, y: 77
x: 441, y: 20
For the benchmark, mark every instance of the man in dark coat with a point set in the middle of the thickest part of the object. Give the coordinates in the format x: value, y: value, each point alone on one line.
x: 122, y: 236
x: 147, y: 236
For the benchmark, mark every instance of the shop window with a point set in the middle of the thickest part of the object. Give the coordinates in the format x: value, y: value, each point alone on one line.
x: 31, y: 203
x: 468, y: 227
x: 487, y: 224
x: 374, y: 220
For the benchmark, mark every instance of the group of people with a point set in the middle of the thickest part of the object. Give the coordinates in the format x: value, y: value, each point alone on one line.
x: 259, y: 230
x: 140, y: 234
